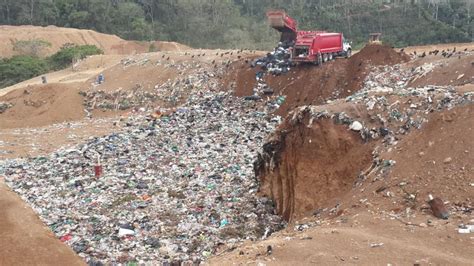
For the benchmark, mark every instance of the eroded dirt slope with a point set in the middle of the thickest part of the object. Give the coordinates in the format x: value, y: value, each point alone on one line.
x: 57, y: 37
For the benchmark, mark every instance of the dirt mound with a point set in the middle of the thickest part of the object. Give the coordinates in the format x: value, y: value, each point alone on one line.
x: 455, y: 71
x: 18, y: 238
x: 312, y: 85
x: 304, y: 84
x: 378, y: 55
x: 438, y: 160
x: 42, y: 105
x: 57, y: 36
x: 305, y: 168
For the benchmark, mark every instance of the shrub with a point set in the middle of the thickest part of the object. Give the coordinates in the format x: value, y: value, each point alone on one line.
x: 69, y: 53
x: 19, y: 68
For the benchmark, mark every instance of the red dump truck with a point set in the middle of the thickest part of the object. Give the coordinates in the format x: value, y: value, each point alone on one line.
x: 319, y: 47
x: 308, y: 46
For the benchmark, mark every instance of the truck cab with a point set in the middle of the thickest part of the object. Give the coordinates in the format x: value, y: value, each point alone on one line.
x: 347, y: 47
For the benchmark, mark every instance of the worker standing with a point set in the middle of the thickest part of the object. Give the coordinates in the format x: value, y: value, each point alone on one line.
x: 100, y: 78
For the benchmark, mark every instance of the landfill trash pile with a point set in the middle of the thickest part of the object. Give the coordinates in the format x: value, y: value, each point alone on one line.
x: 175, y: 189
x: 198, y: 79
x: 393, y: 107
x: 170, y: 93
x: 4, y: 106
x: 117, y: 100
x: 276, y: 62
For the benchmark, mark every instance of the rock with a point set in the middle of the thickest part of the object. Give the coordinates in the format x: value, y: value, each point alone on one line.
x: 356, y: 126
x: 376, y: 245
x: 125, y: 232
x: 447, y: 160
x: 438, y: 208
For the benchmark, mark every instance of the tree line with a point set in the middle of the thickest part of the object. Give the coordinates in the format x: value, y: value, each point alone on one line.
x: 242, y: 23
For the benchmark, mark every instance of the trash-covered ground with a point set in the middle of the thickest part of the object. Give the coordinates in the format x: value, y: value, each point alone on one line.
x: 178, y: 188
x: 167, y: 93
x: 178, y: 185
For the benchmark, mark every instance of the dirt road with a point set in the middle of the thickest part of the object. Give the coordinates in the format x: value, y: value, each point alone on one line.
x: 363, y: 240
x: 24, y: 240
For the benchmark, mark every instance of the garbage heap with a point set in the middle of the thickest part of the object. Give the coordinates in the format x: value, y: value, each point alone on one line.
x: 276, y: 63
x: 118, y: 99
x: 177, y: 188
x: 167, y: 94
x: 4, y: 106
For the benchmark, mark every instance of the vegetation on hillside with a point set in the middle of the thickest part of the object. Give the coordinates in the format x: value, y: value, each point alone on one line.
x: 19, y: 68
x: 71, y: 53
x: 22, y: 67
x: 242, y: 23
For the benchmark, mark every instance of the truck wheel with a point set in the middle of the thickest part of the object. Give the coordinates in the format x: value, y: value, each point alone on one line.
x: 319, y: 60
x: 348, y: 53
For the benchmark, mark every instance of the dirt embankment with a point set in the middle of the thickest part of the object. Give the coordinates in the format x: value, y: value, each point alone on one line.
x: 311, y: 85
x: 457, y: 70
x: 42, y: 105
x: 57, y: 37
x: 438, y: 160
x: 25, y: 239
x: 305, y: 168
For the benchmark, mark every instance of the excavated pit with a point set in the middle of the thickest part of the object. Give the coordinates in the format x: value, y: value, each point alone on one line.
x: 306, y: 168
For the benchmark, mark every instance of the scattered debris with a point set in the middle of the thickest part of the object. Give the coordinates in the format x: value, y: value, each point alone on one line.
x: 4, y: 106
x: 376, y: 245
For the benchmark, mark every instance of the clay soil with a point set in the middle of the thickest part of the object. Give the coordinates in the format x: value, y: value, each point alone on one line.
x: 315, y: 166
x: 457, y: 70
x: 349, y: 239
x: 42, y: 105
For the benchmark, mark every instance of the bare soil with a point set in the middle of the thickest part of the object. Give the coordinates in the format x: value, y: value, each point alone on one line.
x: 42, y: 105
x: 57, y: 37
x: 25, y: 240
x: 315, y: 165
x: 348, y: 240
